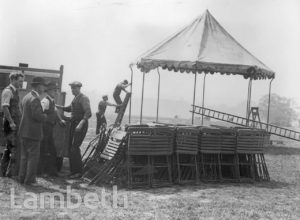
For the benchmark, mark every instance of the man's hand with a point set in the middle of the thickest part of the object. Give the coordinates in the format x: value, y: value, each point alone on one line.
x: 79, y: 126
x: 12, y: 126
x: 59, y: 106
x: 62, y: 122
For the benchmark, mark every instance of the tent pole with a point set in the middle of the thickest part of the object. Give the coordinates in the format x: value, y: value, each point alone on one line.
x: 158, y: 92
x: 141, y: 115
x: 270, y: 85
x: 203, y: 96
x: 195, y: 82
x: 250, y: 96
x: 131, y: 81
x: 249, y: 100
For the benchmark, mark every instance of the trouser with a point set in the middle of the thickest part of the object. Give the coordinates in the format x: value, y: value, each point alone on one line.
x: 101, y: 121
x: 10, y: 160
x: 118, y: 100
x: 75, y: 141
x: 48, y: 153
x: 30, y: 154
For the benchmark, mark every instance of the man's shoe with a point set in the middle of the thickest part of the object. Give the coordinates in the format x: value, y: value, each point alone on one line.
x: 75, y: 176
x: 34, y: 184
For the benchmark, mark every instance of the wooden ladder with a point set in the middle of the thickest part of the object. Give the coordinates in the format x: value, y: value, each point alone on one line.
x: 222, y: 116
x: 122, y: 110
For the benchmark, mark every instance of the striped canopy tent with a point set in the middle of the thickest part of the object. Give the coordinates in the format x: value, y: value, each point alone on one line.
x: 204, y: 46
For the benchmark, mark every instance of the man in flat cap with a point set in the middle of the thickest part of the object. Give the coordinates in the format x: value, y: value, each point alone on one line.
x: 117, y: 92
x: 48, y: 155
x: 31, y: 131
x: 12, y: 114
x: 80, y: 113
x: 101, y: 120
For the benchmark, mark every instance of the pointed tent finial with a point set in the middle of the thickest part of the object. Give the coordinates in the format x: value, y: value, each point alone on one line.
x: 206, y: 13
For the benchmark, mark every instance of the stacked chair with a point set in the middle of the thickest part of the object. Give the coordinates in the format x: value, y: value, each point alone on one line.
x: 149, y: 156
x: 210, y: 150
x: 102, y: 166
x: 228, y: 156
x: 186, y: 151
x: 159, y: 155
x: 91, y: 159
x: 250, y: 154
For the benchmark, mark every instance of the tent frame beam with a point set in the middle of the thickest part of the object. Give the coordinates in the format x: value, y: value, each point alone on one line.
x: 142, y: 101
x: 194, y: 96
x: 269, y: 100
x: 158, y: 94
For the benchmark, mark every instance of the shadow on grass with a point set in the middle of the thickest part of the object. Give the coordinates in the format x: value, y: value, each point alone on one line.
x: 279, y: 150
x: 210, y: 185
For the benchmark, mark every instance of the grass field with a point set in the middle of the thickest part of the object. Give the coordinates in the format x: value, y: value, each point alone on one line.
x: 277, y: 199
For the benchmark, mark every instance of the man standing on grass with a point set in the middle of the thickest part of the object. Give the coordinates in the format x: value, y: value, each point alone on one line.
x: 10, y: 103
x: 31, y: 131
x: 48, y: 155
x: 101, y: 120
x: 80, y: 113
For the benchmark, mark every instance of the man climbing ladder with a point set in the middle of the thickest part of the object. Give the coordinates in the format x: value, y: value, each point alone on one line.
x: 117, y: 92
x: 122, y: 110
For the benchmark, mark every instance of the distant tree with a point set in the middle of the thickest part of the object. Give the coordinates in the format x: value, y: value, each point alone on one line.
x: 281, y: 110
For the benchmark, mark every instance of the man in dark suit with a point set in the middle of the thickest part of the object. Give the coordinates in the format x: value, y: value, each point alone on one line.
x: 31, y: 131
x: 48, y: 156
x: 80, y: 113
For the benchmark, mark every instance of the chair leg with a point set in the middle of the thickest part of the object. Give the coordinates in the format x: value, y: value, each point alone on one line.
x: 129, y: 172
x: 196, y: 168
x: 178, y: 168
x: 169, y: 169
x: 237, y: 167
x: 220, y: 168
x: 202, y: 163
x: 252, y: 167
x: 149, y: 166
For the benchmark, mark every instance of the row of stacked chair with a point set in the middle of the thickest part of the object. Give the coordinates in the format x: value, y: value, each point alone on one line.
x: 162, y: 155
x: 149, y: 156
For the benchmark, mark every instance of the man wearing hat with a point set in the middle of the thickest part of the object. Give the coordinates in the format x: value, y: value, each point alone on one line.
x: 101, y: 120
x: 48, y: 155
x: 31, y: 131
x: 117, y: 92
x: 80, y: 113
x: 12, y: 114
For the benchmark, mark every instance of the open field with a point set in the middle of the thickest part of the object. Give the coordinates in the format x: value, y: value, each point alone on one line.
x: 277, y: 199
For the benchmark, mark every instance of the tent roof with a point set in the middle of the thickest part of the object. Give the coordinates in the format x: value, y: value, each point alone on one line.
x: 204, y: 46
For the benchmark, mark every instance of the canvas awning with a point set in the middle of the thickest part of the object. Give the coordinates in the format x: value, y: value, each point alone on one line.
x: 204, y: 46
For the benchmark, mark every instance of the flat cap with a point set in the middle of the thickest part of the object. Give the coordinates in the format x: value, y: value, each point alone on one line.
x: 38, y: 81
x: 51, y: 85
x: 75, y: 84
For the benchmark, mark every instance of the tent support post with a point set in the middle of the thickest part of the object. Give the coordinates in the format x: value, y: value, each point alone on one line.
x: 131, y: 81
x: 142, y: 102
x: 203, y: 96
x: 195, y: 82
x: 270, y: 86
x: 158, y: 93
x: 249, y: 101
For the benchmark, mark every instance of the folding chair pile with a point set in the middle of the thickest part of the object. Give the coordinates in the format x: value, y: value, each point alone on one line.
x: 149, y: 156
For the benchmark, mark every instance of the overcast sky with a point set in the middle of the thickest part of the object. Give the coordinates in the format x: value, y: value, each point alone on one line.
x: 96, y: 40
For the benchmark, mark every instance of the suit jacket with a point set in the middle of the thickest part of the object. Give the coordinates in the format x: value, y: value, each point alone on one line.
x: 31, y: 125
